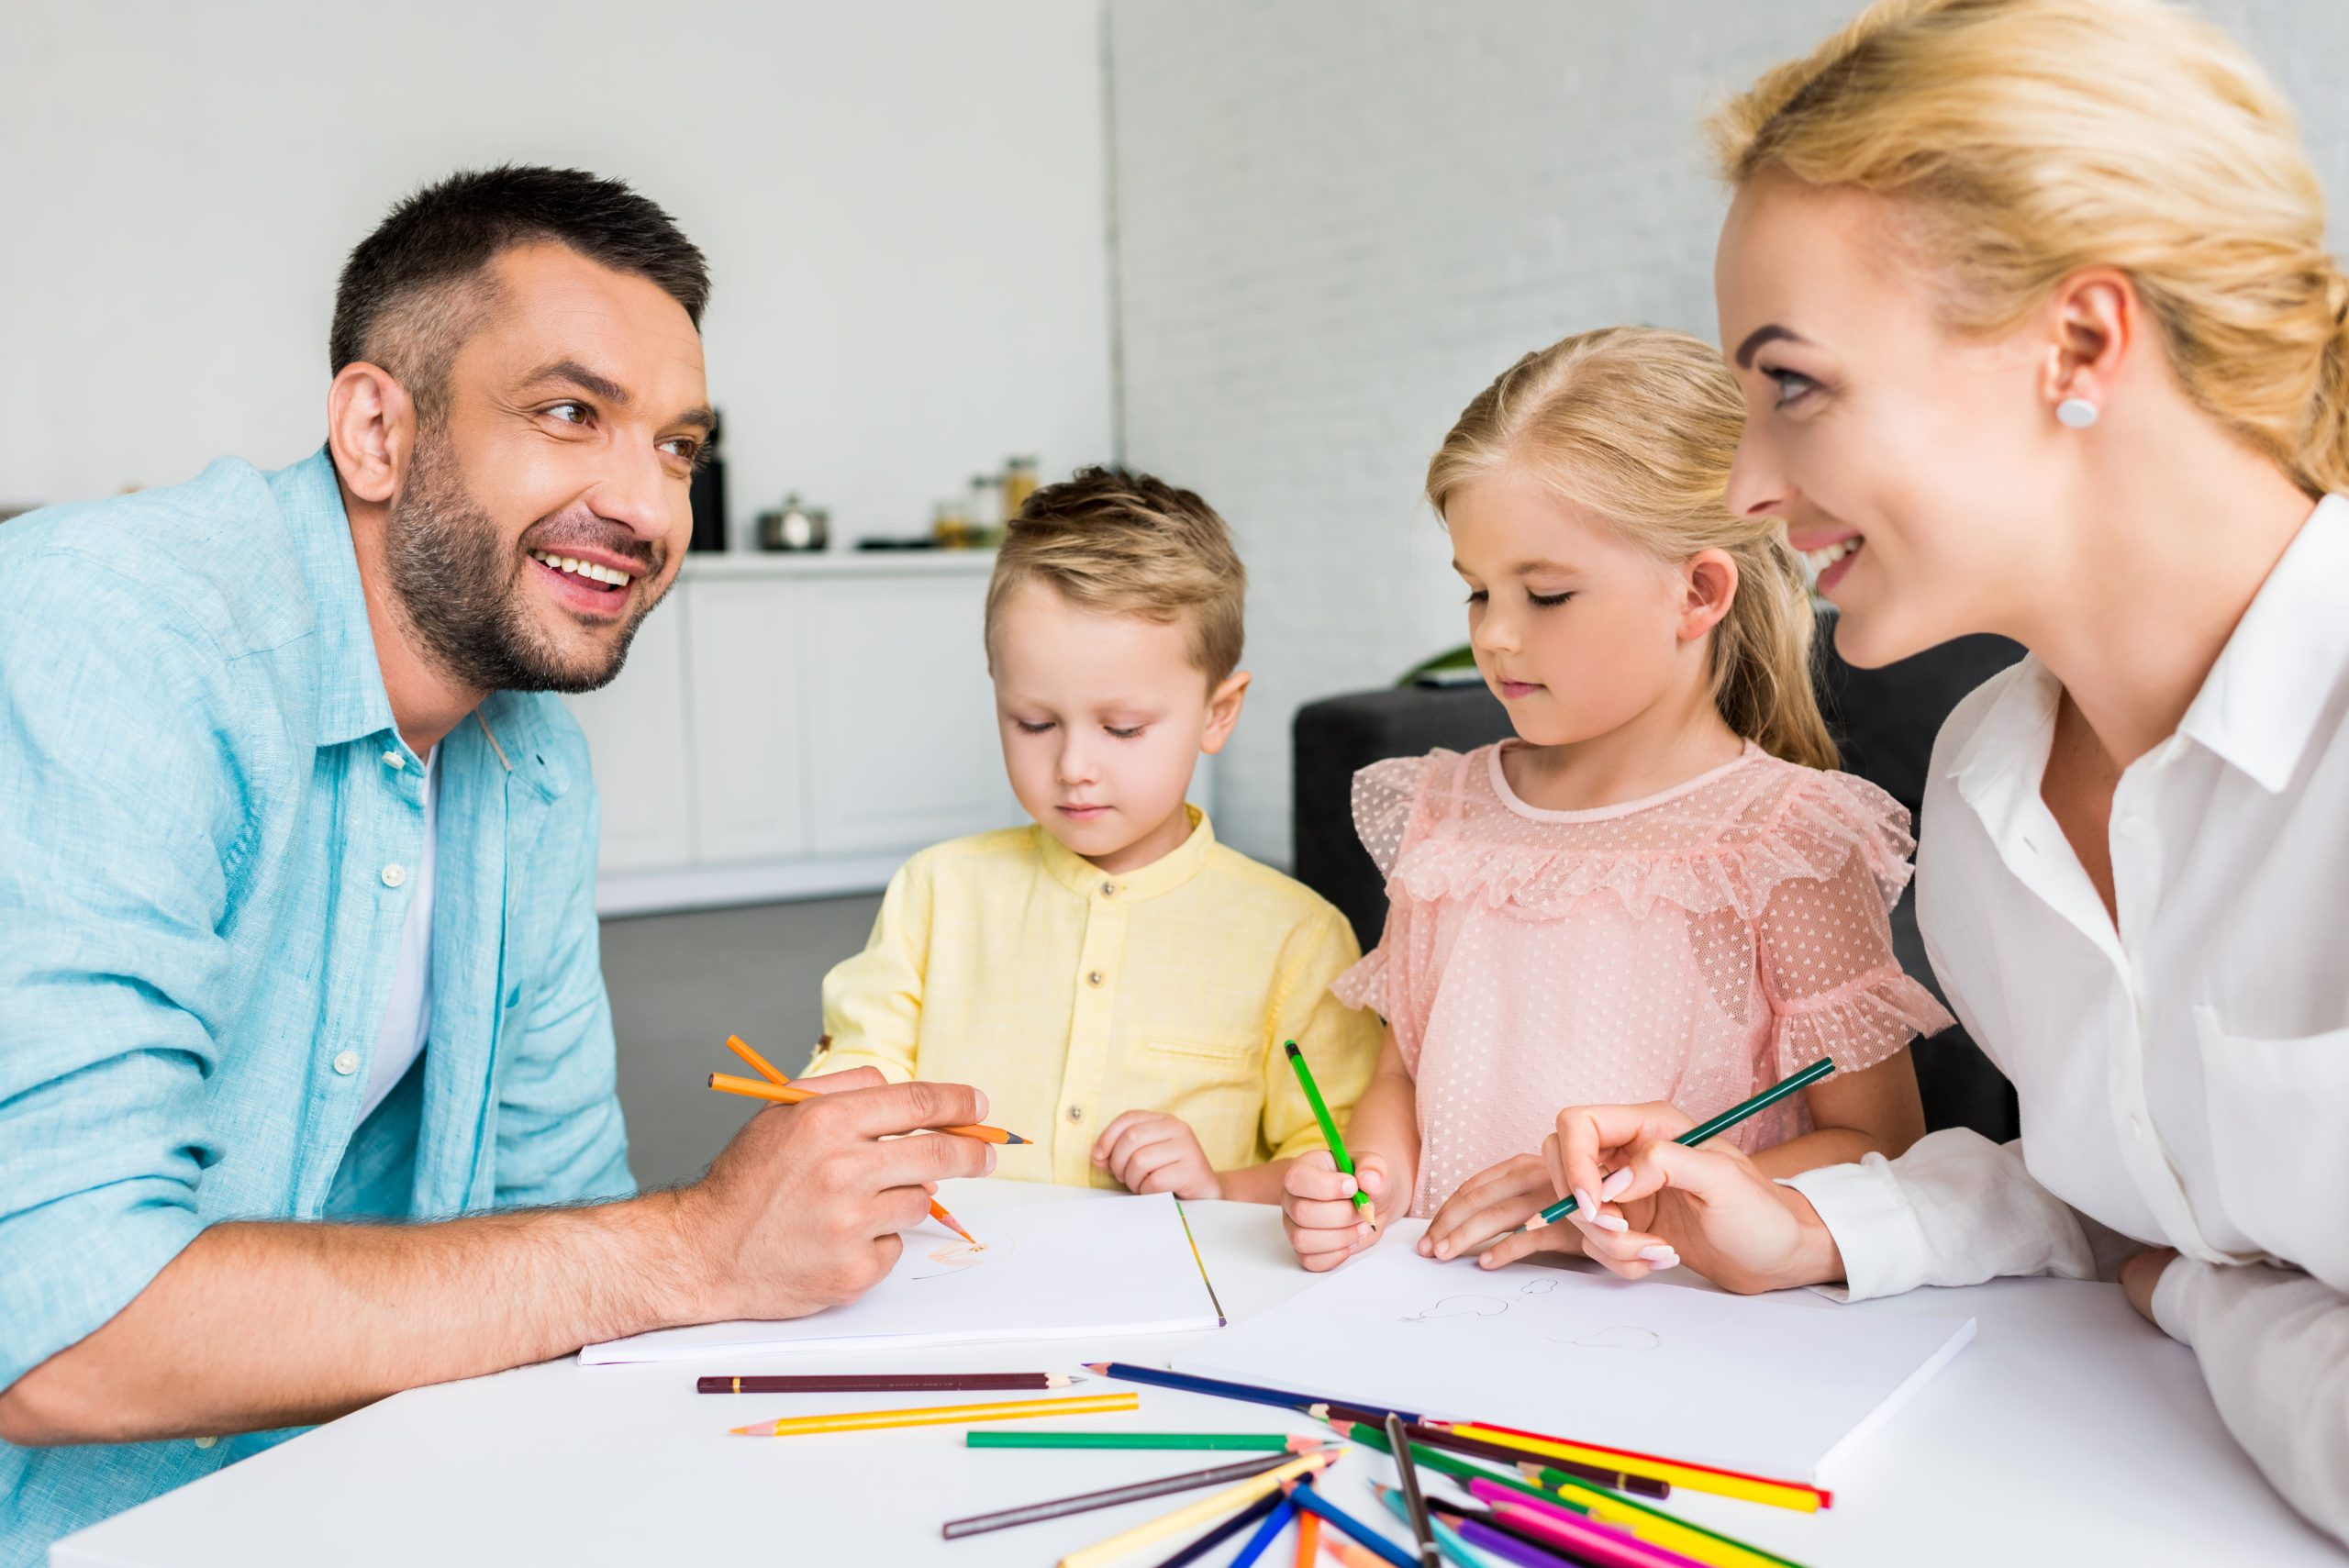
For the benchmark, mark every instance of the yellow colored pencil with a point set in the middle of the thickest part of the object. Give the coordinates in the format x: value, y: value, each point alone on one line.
x: 1205, y: 1508
x: 1776, y: 1493
x: 1660, y: 1529
x: 939, y: 1414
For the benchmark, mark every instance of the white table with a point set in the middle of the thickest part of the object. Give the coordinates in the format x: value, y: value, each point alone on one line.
x: 2070, y: 1431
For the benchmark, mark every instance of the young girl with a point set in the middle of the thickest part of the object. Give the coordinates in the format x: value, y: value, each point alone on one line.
x: 1658, y: 892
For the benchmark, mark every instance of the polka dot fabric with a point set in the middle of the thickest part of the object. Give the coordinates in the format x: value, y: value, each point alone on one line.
x: 1695, y: 947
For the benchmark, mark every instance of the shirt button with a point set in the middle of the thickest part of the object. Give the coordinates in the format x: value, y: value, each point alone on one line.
x: 1076, y: 1113
x: 394, y: 875
x: 205, y: 1442
x: 393, y: 761
x: 346, y: 1063
x: 1095, y: 978
x: 1108, y: 890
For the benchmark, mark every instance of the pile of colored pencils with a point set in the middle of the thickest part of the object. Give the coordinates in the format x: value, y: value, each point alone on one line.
x: 1529, y: 1497
x: 1515, y: 1496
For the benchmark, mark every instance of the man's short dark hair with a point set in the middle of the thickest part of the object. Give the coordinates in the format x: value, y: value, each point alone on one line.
x: 411, y: 291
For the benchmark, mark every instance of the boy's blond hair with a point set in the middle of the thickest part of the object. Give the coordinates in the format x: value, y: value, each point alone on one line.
x: 1123, y: 543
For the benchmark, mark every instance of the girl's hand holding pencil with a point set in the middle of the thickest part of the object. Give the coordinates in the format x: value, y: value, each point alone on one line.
x: 1325, y: 1225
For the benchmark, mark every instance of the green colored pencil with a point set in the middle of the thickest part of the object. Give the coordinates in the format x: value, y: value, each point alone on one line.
x: 1712, y: 1129
x: 1329, y: 1128
x: 1262, y: 1442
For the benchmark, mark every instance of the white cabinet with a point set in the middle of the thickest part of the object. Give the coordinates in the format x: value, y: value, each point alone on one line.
x: 788, y: 725
x: 901, y: 716
x: 636, y: 733
x: 749, y: 746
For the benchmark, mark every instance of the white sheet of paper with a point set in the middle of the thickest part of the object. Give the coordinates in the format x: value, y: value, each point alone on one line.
x: 1770, y: 1388
x: 1050, y: 1270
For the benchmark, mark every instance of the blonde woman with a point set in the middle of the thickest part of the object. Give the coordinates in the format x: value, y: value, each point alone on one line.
x: 1660, y: 888
x: 2038, y: 336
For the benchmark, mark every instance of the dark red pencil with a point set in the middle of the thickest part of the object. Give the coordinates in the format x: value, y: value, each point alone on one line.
x: 881, y: 1382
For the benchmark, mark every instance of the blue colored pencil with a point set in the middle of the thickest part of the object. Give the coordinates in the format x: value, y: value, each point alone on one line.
x: 1157, y: 1377
x: 1275, y: 1522
x: 1312, y: 1502
x: 1224, y: 1531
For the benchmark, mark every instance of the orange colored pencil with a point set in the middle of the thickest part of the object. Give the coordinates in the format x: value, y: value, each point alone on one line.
x: 766, y: 1070
x: 792, y: 1094
x: 1308, y: 1538
x: 759, y: 1064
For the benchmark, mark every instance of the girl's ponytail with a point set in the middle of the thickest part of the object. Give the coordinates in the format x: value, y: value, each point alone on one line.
x: 1762, y: 656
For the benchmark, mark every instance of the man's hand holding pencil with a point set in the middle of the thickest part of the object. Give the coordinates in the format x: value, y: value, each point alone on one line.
x: 803, y: 1210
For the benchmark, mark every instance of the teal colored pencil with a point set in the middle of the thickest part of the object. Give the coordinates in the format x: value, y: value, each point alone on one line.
x: 1447, y: 1540
x: 1328, y: 1127
x: 1709, y: 1130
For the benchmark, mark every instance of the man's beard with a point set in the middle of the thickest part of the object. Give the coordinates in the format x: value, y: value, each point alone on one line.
x: 458, y: 582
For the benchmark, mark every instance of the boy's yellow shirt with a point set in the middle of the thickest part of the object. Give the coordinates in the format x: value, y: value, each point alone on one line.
x: 1070, y: 996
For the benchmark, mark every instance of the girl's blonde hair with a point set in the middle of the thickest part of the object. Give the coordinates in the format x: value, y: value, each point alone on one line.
x: 2035, y: 138
x: 1640, y: 425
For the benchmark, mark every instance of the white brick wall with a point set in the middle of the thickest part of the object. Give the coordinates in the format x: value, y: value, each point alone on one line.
x: 1336, y: 219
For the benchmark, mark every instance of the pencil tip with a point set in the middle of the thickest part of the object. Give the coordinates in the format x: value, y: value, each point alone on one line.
x: 1100, y: 1369
x: 743, y: 1431
x: 1014, y: 1137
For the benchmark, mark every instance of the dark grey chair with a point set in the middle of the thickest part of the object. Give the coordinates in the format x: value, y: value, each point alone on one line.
x: 1884, y: 722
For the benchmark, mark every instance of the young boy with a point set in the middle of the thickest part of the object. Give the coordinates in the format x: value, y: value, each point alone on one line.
x: 1117, y: 981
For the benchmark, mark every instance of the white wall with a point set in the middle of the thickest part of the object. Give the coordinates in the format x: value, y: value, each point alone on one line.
x: 1338, y: 219
x: 901, y: 203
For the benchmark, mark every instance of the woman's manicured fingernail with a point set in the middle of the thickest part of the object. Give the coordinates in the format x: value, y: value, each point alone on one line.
x: 1583, y: 1201
x: 1614, y: 1222
x: 1612, y: 1187
x: 1662, y: 1257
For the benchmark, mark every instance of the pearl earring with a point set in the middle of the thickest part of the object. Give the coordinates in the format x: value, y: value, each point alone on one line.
x: 2077, y: 413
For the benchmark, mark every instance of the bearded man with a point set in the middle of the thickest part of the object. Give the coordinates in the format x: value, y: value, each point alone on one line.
x: 306, y: 1064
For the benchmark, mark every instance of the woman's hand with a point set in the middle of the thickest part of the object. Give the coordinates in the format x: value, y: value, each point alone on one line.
x: 1318, y: 1211
x: 2142, y: 1276
x: 1645, y: 1202
x: 1150, y: 1152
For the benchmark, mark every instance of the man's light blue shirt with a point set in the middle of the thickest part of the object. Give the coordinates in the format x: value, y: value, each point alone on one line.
x: 206, y: 819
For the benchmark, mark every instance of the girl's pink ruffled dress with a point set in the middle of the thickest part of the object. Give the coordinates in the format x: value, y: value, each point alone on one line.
x: 1696, y: 947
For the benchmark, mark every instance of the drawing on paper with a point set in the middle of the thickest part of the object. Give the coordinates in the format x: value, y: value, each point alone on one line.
x: 953, y: 1257
x: 1477, y: 1306
x: 1458, y: 1306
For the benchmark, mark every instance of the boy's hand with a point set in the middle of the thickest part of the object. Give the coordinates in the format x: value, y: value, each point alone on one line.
x: 1318, y: 1209
x: 1491, y: 1204
x: 1150, y: 1152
